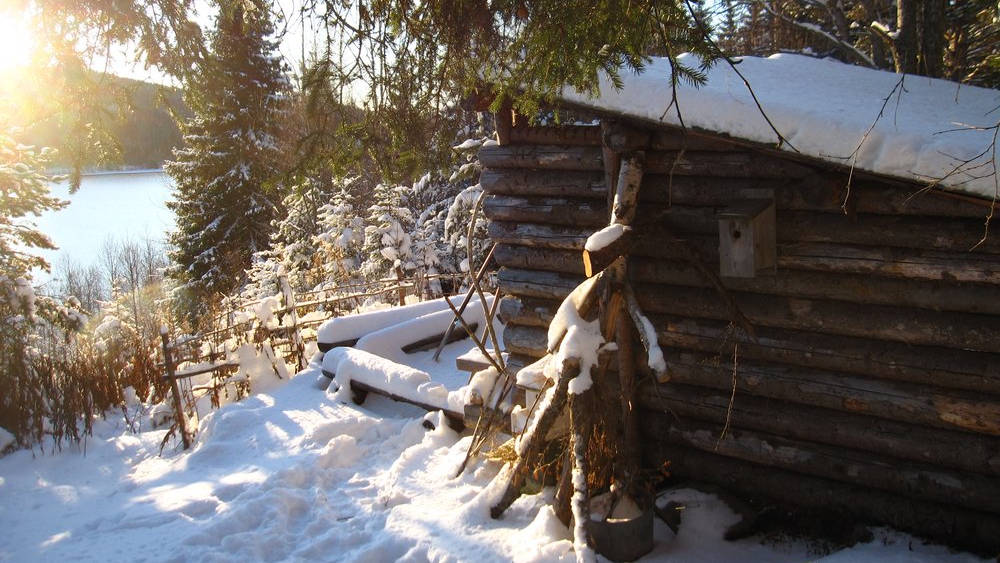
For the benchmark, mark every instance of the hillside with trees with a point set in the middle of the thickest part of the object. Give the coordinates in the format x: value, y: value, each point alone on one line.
x: 141, y: 120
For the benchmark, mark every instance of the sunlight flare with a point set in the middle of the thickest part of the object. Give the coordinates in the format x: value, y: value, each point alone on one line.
x: 16, y: 41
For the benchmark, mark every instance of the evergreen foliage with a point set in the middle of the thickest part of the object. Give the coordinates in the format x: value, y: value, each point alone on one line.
x: 959, y: 41
x: 408, y: 64
x: 291, y: 250
x: 33, y: 396
x: 224, y: 202
x: 294, y: 232
x: 388, y: 246
x: 24, y: 194
x: 448, y: 199
x: 342, y: 232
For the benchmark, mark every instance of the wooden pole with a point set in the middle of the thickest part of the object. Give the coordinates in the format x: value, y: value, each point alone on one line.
x: 533, y: 442
x: 296, y: 337
x: 581, y: 407
x: 402, y: 290
x: 465, y: 303
x: 564, y: 490
x: 629, y: 471
x: 504, y: 121
x: 168, y: 365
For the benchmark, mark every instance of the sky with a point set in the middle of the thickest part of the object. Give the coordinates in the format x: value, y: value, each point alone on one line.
x: 17, y: 42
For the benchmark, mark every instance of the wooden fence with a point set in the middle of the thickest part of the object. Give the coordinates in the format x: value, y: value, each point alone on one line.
x: 187, y: 356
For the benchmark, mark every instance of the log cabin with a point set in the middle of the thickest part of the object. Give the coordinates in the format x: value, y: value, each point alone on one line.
x: 817, y: 264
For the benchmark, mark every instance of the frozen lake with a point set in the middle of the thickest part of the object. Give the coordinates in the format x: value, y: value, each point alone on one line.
x: 118, y: 205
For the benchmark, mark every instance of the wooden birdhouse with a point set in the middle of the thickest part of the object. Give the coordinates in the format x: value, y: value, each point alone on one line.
x: 747, y: 242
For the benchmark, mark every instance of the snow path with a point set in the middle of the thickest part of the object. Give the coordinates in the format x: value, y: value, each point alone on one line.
x: 295, y: 475
x: 290, y: 476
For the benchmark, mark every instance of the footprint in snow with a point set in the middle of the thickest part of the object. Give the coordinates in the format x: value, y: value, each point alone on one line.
x: 227, y: 493
x: 200, y: 509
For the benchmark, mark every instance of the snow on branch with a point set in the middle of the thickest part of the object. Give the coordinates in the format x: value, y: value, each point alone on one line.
x: 813, y: 28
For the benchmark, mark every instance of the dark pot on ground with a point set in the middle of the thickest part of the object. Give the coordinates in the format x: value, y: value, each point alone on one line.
x: 623, y: 539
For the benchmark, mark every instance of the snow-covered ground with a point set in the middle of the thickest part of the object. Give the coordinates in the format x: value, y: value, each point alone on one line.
x: 297, y: 475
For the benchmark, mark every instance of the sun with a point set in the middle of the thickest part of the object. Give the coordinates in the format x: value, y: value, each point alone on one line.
x: 16, y: 41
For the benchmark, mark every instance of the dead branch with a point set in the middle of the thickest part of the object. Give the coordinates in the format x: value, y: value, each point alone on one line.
x: 965, y: 166
x: 732, y: 399
x: 703, y: 29
x: 531, y: 444
x: 897, y: 89
x: 478, y: 287
x: 812, y: 28
x: 465, y: 301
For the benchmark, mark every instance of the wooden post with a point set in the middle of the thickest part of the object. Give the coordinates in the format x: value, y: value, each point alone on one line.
x: 401, y: 291
x: 585, y: 298
x: 610, y: 157
x: 581, y: 413
x: 629, y: 471
x: 624, y: 203
x: 530, y: 445
x: 300, y: 348
x: 168, y: 364
x: 504, y: 121
x: 564, y: 490
x: 626, y: 193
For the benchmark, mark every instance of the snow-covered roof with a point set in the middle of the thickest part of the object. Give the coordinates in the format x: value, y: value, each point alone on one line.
x: 824, y: 109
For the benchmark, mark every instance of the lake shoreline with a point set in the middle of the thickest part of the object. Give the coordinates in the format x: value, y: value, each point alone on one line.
x: 122, y: 172
x: 96, y: 173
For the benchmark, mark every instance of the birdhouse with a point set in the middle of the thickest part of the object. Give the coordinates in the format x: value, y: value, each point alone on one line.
x: 747, y: 242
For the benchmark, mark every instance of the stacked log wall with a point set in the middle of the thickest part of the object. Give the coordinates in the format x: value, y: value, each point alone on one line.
x: 873, y: 386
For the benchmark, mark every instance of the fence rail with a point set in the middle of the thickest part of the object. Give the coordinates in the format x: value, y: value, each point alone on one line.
x: 184, y: 357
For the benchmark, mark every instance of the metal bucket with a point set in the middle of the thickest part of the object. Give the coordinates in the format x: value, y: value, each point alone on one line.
x: 623, y: 539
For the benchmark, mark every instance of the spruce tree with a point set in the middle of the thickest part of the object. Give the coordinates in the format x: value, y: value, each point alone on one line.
x: 294, y: 231
x: 338, y: 245
x: 388, y: 244
x: 224, y: 201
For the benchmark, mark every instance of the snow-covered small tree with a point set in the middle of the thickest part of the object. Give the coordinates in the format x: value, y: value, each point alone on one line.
x: 342, y: 234
x: 293, y: 234
x: 223, y: 203
x: 292, y: 240
x: 449, y: 198
x: 388, y: 247
x: 262, y: 275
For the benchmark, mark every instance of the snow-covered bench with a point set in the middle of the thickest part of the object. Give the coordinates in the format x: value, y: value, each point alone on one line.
x: 377, y: 361
x: 345, y: 331
x: 358, y: 373
x: 394, y: 342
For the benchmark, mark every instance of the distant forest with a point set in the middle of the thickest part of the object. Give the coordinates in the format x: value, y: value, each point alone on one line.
x: 143, y: 130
